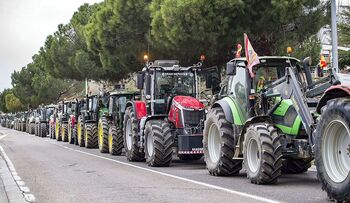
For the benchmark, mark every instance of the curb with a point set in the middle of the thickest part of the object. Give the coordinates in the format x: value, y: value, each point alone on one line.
x: 15, y: 188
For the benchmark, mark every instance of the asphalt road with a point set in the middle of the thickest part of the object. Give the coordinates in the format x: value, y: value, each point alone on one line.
x: 60, y: 172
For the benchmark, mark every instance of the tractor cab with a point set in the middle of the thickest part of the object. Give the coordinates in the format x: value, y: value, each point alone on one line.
x: 162, y: 81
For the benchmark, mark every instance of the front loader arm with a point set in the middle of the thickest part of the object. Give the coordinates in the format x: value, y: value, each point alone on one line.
x: 288, y: 88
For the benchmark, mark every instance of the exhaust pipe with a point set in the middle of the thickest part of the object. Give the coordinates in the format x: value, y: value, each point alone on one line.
x: 306, y: 66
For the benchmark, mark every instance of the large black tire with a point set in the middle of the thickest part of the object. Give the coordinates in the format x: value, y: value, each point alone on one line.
x: 64, y: 132
x: 27, y: 128
x: 130, y: 128
x: 219, y: 162
x: 103, y: 135
x: 159, y: 142
x: 115, y: 141
x: 332, y: 149
x: 262, y: 153
x: 70, y: 133
x: 43, y: 130
x: 90, y: 135
x: 80, y: 133
x: 190, y: 157
x: 58, y: 131
x: 32, y: 128
x: 296, y: 166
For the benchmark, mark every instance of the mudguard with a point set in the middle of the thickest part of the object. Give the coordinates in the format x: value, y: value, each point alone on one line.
x: 333, y: 92
x: 231, y: 110
x: 139, y: 108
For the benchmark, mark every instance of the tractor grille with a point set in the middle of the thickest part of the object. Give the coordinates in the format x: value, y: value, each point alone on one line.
x: 193, y: 118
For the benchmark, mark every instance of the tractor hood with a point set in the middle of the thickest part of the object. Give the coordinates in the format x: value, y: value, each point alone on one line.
x: 188, y: 102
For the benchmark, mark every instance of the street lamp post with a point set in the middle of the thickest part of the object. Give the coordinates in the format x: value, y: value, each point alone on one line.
x: 334, y: 35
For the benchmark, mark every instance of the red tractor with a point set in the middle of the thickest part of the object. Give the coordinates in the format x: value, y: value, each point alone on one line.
x: 168, y: 118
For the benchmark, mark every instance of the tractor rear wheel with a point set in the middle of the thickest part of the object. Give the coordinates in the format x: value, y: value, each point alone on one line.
x: 80, y: 133
x: 219, y: 144
x: 189, y: 157
x: 295, y: 166
x: 58, y: 131
x: 159, y: 143
x: 43, y: 130
x: 332, y: 149
x: 115, y: 141
x: 131, y: 139
x: 64, y: 132
x: 262, y: 153
x: 32, y: 128
x: 103, y: 135
x: 91, y: 140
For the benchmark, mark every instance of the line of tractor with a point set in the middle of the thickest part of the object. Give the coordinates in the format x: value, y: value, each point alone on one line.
x: 279, y: 121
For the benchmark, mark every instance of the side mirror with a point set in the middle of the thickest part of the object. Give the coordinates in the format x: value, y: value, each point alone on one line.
x: 230, y: 69
x: 148, y: 79
x: 140, y: 80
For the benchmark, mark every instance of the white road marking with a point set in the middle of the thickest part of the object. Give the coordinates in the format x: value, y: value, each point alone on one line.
x: 243, y: 194
x: 21, y: 185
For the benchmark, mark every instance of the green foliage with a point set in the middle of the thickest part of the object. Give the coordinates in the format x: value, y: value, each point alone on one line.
x: 117, y: 33
x: 65, y: 52
x: 13, y: 104
x: 3, y: 101
x: 309, y: 48
x: 187, y: 28
x: 344, y: 38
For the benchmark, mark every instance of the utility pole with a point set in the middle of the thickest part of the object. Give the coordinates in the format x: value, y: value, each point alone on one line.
x: 334, y: 35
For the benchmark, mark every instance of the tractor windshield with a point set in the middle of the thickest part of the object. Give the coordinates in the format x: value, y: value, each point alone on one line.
x: 266, y: 75
x: 174, y: 83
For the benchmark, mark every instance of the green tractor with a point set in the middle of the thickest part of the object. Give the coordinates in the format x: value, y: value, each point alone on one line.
x: 61, y: 120
x: 268, y: 123
x: 95, y: 107
x: 110, y: 126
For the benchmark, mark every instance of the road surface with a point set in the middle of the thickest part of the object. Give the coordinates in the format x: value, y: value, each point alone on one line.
x: 59, y: 172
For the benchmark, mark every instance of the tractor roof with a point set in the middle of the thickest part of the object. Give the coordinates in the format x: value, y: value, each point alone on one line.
x: 170, y: 65
x: 117, y: 93
x: 268, y: 58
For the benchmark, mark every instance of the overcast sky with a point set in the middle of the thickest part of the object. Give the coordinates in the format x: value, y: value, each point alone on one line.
x: 24, y: 25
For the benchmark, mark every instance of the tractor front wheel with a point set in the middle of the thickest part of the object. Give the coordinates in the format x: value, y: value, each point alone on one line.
x: 70, y: 136
x: 332, y: 149
x: 103, y: 135
x: 115, y: 141
x: 90, y: 134
x: 43, y: 130
x: 64, y: 132
x: 58, y: 131
x: 80, y: 133
x: 219, y: 144
x: 262, y: 153
x: 131, y: 138
x: 158, y: 143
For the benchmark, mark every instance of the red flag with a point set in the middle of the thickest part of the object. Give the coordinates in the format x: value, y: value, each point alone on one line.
x: 250, y: 54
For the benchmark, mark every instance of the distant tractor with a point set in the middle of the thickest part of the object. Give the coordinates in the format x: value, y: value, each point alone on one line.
x: 42, y: 120
x: 110, y: 126
x: 169, y: 116
x: 30, y: 123
x: 87, y: 122
x: 61, y: 120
